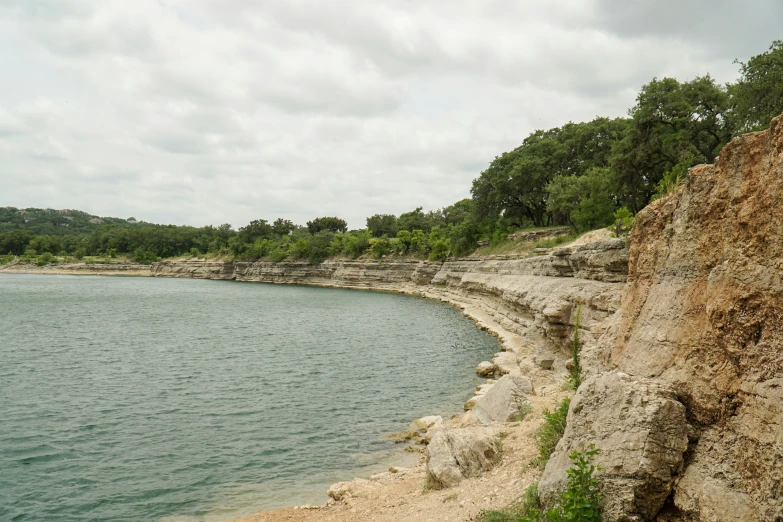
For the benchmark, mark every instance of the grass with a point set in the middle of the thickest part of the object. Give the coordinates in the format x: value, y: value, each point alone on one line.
x: 523, y: 509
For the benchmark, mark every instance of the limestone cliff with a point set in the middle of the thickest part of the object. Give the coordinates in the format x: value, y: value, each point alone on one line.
x: 703, y: 310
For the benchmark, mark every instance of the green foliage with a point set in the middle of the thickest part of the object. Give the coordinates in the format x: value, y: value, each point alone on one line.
x: 45, y: 259
x: 672, y: 123
x: 671, y: 180
x: 332, y: 224
x: 757, y: 97
x: 585, y: 202
x: 4, y: 260
x: 581, y: 501
x: 549, y: 434
x: 380, y: 247
x: 144, y: 256
x: 526, y: 509
x: 623, y: 221
x: 381, y: 225
x: 318, y: 248
x: 440, y: 250
x: 79, y: 253
x: 575, y: 376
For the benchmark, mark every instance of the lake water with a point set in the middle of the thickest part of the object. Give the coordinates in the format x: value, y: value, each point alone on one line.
x: 145, y: 399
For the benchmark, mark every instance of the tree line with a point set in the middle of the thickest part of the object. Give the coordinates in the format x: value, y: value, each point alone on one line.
x: 584, y: 175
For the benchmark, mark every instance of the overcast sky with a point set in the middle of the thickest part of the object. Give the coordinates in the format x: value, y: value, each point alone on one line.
x: 207, y: 112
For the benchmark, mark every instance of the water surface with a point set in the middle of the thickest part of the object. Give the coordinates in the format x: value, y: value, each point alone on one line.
x: 142, y: 399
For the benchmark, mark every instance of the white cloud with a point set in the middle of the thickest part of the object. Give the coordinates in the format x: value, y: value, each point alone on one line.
x: 203, y: 111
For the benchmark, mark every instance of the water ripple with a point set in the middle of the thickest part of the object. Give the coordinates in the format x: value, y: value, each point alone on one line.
x: 142, y: 399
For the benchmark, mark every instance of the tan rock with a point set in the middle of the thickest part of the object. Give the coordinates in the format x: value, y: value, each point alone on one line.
x: 486, y: 369
x: 502, y: 402
x: 641, y: 431
x: 458, y: 453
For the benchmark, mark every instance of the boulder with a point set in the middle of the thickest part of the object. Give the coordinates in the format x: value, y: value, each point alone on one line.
x: 425, y: 423
x: 458, y: 453
x: 486, y: 369
x: 641, y: 431
x: 502, y: 401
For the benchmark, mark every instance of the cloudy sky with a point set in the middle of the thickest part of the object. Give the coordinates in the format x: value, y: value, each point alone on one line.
x: 207, y: 112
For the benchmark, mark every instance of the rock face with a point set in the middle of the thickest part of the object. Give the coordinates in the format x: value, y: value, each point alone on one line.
x: 454, y: 454
x: 704, y: 311
x: 641, y: 431
x: 501, y: 403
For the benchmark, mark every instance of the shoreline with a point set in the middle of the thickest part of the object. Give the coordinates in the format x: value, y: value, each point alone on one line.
x: 519, y: 342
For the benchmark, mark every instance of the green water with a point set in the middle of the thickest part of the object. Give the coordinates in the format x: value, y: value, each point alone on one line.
x: 143, y: 399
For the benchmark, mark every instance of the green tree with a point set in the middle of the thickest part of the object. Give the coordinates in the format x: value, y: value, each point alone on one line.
x: 672, y: 123
x: 318, y: 248
x: 382, y: 225
x: 584, y: 202
x: 282, y: 227
x: 332, y: 224
x: 757, y: 97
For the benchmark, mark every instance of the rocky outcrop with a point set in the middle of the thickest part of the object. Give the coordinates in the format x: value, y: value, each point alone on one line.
x: 704, y: 311
x: 454, y: 454
x: 504, y: 401
x: 640, y: 429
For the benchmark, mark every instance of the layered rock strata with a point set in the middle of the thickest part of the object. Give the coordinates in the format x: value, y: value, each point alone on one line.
x: 704, y: 311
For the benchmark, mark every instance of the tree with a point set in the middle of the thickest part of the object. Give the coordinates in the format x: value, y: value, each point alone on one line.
x: 333, y: 224
x: 514, y: 186
x: 414, y: 220
x: 282, y: 227
x: 757, y: 97
x: 585, y: 202
x: 672, y: 123
x: 382, y: 225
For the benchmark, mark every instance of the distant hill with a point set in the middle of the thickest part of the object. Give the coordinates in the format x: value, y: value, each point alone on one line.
x: 56, y: 222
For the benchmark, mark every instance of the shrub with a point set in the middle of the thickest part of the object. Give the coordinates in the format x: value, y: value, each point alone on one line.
x: 581, y: 501
x: 143, y: 256
x: 623, y: 221
x: 440, y: 249
x: 194, y: 252
x: 45, y: 259
x: 380, y: 247
x: 278, y: 255
x: 80, y: 253
x: 550, y: 433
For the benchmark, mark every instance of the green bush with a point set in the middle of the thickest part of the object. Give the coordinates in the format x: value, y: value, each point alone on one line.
x: 80, y: 253
x: 623, y: 221
x: 580, y: 502
x: 6, y: 259
x: 380, y: 247
x: 550, y: 433
x: 440, y: 250
x: 45, y: 259
x: 143, y: 256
